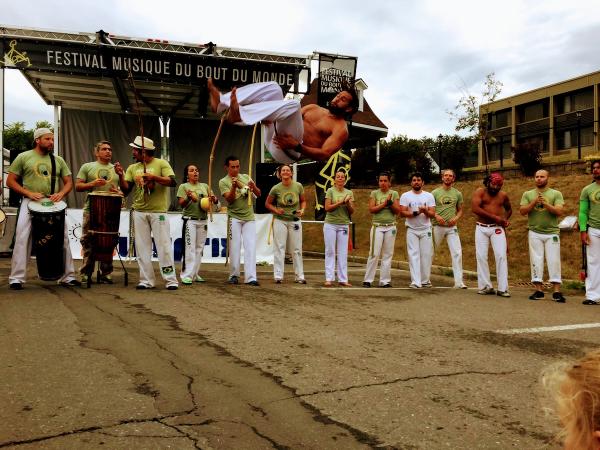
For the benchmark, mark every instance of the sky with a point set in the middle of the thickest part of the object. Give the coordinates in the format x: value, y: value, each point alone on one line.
x: 416, y: 57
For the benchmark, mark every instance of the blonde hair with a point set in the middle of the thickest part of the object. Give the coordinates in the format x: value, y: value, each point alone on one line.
x: 576, y: 391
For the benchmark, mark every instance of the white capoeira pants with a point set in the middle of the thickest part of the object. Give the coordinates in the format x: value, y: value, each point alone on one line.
x: 592, y: 282
x: 146, y: 225
x: 264, y: 102
x: 497, y: 236
x: 287, y: 233
x: 419, y: 246
x: 453, y: 239
x: 550, y: 245
x: 194, y: 241
x: 243, y: 231
x: 22, y: 249
x: 336, y: 248
x: 383, y: 238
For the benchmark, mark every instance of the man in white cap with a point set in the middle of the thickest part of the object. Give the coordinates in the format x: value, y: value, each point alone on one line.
x: 150, y: 179
x: 30, y: 175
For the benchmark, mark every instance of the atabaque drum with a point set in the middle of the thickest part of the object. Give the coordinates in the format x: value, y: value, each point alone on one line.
x: 105, y: 215
x: 48, y: 237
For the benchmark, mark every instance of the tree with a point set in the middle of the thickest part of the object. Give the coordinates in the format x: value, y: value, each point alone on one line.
x: 18, y: 138
x: 403, y: 156
x: 471, y: 112
x: 453, y: 151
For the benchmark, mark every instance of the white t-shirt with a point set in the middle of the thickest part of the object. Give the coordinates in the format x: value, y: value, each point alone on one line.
x: 413, y: 201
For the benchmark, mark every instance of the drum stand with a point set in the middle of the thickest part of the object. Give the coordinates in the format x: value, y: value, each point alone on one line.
x: 98, y: 274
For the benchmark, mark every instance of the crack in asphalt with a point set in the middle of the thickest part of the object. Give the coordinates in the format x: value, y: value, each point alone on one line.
x: 91, y: 429
x: 396, y: 380
x: 185, y: 433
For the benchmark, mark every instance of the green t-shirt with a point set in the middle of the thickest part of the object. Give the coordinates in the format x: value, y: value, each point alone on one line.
x: 36, y: 170
x: 446, y: 202
x: 193, y: 209
x: 386, y: 215
x: 288, y: 198
x: 158, y: 199
x: 591, y: 195
x: 92, y: 171
x: 338, y: 216
x: 239, y: 208
x: 540, y: 219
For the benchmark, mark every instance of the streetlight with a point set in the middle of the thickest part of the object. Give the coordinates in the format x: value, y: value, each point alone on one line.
x: 578, y: 114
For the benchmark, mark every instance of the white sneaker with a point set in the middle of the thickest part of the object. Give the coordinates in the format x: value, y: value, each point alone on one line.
x: 414, y: 286
x: 460, y: 286
x: 486, y: 291
x: 427, y: 285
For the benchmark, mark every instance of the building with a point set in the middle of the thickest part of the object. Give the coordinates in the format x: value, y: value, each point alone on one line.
x: 560, y: 119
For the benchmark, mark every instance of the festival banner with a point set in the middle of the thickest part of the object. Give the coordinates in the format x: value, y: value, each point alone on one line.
x: 215, y: 246
x: 334, y: 71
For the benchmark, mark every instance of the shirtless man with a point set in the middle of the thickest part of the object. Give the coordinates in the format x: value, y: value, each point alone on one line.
x: 292, y: 132
x: 492, y: 207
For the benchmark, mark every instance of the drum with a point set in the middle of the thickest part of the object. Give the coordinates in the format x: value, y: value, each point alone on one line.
x: 105, y: 215
x: 48, y: 237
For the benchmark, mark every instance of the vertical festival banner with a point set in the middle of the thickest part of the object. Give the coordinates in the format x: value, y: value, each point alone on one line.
x: 335, y: 71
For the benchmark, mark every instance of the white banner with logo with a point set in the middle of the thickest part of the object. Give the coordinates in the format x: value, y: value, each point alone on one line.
x: 214, y: 247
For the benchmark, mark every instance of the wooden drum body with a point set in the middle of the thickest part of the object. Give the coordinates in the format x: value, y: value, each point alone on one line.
x: 105, y: 215
x: 48, y: 237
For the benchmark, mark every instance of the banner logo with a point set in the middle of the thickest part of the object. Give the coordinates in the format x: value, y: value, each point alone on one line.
x: 14, y: 57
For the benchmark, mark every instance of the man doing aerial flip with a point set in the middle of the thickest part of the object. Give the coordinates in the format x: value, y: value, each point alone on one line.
x: 293, y: 132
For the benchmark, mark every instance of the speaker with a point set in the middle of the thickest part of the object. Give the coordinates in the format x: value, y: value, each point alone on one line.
x: 266, y: 178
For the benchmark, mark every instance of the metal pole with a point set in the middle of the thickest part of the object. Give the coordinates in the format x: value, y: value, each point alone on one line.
x: 165, y: 121
x: 377, y: 152
x: 57, y: 130
x: 578, y: 135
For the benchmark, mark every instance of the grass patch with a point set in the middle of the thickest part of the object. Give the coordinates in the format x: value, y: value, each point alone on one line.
x: 518, y: 256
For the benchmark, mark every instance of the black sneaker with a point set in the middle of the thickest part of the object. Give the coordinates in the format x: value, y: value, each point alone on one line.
x: 16, y: 286
x: 253, y: 283
x: 142, y: 287
x: 366, y: 284
x: 172, y: 287
x: 590, y: 302
x: 277, y: 281
x: 233, y: 280
x: 558, y: 297
x: 386, y: 285
x: 536, y: 295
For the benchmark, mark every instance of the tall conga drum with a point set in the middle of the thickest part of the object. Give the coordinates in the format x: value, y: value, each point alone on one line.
x: 48, y: 237
x: 105, y: 215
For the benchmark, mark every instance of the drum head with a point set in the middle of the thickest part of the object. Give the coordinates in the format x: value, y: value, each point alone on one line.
x: 46, y: 205
x: 105, y: 194
x: 2, y: 216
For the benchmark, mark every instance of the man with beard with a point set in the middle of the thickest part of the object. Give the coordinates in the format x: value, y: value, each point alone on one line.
x: 448, y: 210
x: 291, y: 132
x: 542, y: 206
x: 95, y: 176
x: 589, y: 226
x: 492, y: 207
x: 150, y: 179
x: 30, y: 175
x: 418, y: 207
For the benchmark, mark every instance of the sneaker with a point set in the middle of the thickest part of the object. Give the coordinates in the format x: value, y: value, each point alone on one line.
x: 486, y: 291
x: 558, y: 297
x: 199, y: 279
x: 277, y: 281
x: 141, y: 287
x: 536, y: 295
x: 253, y: 283
x: 186, y: 280
x: 288, y: 260
x: 233, y: 280
x: 386, y: 285
x: 414, y: 286
x: 427, y: 285
x: 366, y: 284
x: 83, y: 279
x: 106, y: 279
x: 301, y: 281
x: 16, y: 286
x: 172, y: 287
x: 503, y: 294
x: 460, y: 286
x: 70, y: 283
x: 585, y: 302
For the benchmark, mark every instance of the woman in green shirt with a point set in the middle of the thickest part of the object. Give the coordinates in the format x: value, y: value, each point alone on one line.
x: 339, y: 206
x: 195, y: 227
x: 286, y: 201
